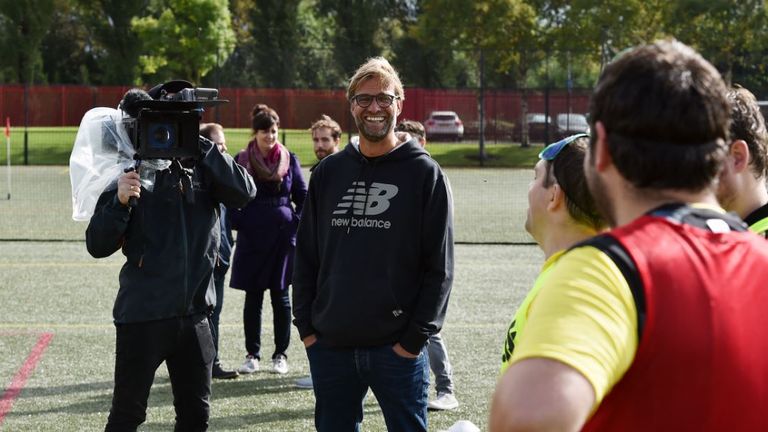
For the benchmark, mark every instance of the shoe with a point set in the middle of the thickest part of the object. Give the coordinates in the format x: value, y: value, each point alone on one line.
x: 280, y: 364
x: 444, y: 402
x: 304, y: 383
x: 219, y: 373
x: 250, y: 365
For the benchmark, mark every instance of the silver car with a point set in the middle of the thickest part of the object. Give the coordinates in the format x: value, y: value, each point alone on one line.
x: 444, y: 124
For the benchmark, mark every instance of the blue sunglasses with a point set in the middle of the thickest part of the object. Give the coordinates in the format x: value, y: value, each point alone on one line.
x: 551, y: 151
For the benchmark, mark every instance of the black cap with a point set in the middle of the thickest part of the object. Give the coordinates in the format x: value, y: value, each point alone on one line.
x: 174, y: 86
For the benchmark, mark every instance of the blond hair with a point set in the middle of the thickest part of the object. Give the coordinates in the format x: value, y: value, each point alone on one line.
x: 327, y: 122
x: 376, y: 67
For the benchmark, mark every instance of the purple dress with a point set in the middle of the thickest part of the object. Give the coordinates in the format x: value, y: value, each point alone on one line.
x: 266, y: 231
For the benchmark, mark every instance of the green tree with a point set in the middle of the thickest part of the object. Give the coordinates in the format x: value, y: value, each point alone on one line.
x: 23, y: 25
x: 732, y: 34
x: 362, y: 28
x: 114, y: 45
x: 503, y: 30
x: 184, y: 38
x: 66, y: 49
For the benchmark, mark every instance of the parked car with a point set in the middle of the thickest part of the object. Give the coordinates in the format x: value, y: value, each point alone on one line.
x: 569, y: 124
x: 444, y: 124
x: 537, y: 128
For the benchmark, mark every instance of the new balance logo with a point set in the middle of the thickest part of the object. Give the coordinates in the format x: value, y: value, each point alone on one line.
x: 371, y: 202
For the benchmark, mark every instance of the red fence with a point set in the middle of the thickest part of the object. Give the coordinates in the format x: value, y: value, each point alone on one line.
x: 65, y: 105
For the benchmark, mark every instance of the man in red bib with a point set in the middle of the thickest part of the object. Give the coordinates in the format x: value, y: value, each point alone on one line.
x: 658, y: 324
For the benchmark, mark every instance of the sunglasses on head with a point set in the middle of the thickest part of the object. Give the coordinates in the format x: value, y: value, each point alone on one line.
x: 551, y: 151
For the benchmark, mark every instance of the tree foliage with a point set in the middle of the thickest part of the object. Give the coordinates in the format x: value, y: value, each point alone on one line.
x: 184, y: 38
x: 318, y: 43
x: 24, y: 24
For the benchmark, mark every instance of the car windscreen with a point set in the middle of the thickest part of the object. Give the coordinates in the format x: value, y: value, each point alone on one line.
x: 444, y: 117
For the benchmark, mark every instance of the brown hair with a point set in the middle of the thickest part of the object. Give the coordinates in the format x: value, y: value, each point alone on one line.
x: 567, y: 170
x: 376, y: 67
x: 263, y: 118
x: 207, y: 129
x: 327, y: 122
x: 666, y: 115
x: 412, y: 127
x: 748, y: 124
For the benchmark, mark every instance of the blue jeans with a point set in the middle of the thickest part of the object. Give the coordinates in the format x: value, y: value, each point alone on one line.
x: 341, y: 378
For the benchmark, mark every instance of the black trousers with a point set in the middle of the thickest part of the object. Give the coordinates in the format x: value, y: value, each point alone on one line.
x: 281, y: 320
x: 219, y: 273
x: 186, y: 346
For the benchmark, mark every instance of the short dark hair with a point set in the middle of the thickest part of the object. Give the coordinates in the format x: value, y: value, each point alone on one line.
x: 207, y: 129
x: 263, y: 118
x: 412, y: 127
x: 748, y: 124
x: 131, y: 98
x: 567, y: 169
x: 666, y: 115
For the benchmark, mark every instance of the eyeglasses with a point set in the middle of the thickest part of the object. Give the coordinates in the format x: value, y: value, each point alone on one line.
x: 551, y: 151
x: 384, y: 100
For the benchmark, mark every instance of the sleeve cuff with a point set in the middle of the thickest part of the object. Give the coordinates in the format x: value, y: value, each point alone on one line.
x: 413, y: 340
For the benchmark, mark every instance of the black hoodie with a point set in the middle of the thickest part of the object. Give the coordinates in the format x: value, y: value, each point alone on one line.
x: 374, y: 251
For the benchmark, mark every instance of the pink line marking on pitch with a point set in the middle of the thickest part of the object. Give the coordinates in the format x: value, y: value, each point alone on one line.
x: 20, y: 380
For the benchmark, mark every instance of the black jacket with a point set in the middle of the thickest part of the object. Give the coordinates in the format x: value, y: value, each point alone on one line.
x: 374, y: 253
x: 171, y: 244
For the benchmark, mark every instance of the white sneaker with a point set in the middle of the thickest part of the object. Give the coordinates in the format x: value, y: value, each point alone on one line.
x: 444, y: 401
x: 280, y: 364
x: 250, y: 365
x: 304, y: 383
x: 462, y: 426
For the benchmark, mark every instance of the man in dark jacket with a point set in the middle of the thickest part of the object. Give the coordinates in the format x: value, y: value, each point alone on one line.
x: 374, y: 265
x: 170, y: 240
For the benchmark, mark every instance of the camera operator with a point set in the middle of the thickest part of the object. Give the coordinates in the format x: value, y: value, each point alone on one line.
x: 170, y: 240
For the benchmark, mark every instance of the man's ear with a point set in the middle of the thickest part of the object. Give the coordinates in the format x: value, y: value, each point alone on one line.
x: 601, y: 155
x: 556, y: 197
x: 739, y: 153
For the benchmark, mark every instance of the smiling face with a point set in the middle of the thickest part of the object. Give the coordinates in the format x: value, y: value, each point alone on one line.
x: 324, y: 142
x: 374, y: 122
x: 266, y: 139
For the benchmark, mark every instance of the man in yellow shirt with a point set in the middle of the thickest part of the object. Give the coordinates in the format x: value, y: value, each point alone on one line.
x: 561, y: 213
x: 655, y: 325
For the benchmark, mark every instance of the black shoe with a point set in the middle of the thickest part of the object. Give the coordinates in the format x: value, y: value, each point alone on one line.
x: 219, y: 373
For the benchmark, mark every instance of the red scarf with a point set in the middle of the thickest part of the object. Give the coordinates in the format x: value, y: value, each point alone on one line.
x: 273, y: 167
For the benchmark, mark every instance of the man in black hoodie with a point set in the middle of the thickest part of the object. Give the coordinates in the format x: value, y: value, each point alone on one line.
x: 374, y: 265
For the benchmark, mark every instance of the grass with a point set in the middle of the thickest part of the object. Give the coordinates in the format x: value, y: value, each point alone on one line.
x: 53, y: 145
x: 490, y: 204
x: 58, y: 288
x: 54, y: 286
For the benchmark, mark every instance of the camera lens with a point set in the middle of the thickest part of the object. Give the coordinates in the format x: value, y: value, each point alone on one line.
x: 161, y: 136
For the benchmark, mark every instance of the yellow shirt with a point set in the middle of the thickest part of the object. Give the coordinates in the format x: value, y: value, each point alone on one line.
x: 585, y: 317
x: 521, y: 316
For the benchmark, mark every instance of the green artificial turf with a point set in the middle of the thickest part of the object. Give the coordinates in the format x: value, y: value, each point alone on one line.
x: 57, y: 288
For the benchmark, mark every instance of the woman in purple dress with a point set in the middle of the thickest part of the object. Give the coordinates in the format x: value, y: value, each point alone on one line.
x: 266, y: 237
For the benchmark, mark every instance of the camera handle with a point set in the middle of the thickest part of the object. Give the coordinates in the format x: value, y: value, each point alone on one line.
x: 133, y: 201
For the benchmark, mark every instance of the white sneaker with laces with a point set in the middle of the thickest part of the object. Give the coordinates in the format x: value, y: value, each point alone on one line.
x: 304, y: 383
x: 250, y: 365
x: 444, y: 402
x: 280, y: 364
